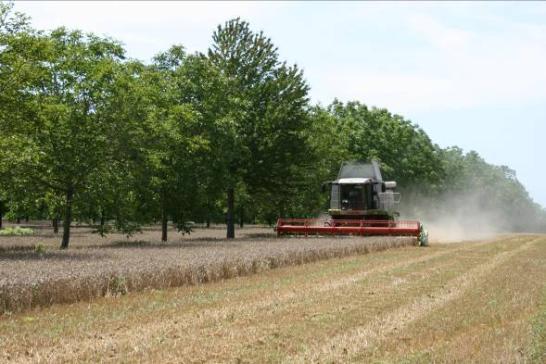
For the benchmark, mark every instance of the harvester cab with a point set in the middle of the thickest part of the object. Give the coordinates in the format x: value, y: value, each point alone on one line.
x: 361, y: 203
x: 359, y: 192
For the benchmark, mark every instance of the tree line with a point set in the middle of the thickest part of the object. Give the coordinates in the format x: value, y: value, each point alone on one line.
x: 228, y: 135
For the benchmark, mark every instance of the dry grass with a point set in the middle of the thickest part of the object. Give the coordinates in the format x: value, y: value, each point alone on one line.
x: 471, y: 302
x: 31, y: 278
x: 358, y: 340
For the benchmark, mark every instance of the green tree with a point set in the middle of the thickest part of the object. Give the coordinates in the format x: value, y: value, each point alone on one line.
x: 405, y: 151
x: 202, y: 85
x: 63, y: 140
x: 488, y: 190
x: 20, y: 48
x: 267, y: 140
x: 170, y: 141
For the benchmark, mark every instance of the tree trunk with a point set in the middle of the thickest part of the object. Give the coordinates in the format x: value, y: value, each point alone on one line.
x: 55, y: 223
x: 164, y: 220
x: 18, y: 220
x: 102, y: 220
x: 67, y: 218
x: 27, y: 219
x: 229, y: 217
x: 282, y: 212
x: 242, y: 217
x: 1, y: 213
x: 208, y: 222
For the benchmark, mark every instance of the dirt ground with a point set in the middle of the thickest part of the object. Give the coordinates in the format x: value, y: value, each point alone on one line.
x: 84, y: 237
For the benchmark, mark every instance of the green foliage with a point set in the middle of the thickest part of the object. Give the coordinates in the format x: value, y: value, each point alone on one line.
x: 58, y: 142
x: 118, y: 286
x: 404, y: 150
x: 39, y: 248
x: 168, y: 140
x: 266, y: 145
x: 493, y: 189
x: 423, y: 236
x: 16, y: 231
x: 89, y: 135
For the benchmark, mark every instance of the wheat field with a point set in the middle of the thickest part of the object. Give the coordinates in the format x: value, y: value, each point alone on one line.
x: 481, y: 301
x: 96, y: 267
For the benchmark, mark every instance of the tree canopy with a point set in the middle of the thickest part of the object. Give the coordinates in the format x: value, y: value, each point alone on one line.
x: 87, y: 134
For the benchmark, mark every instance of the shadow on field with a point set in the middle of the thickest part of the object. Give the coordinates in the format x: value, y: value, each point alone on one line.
x: 51, y: 255
x: 59, y: 235
x: 196, y: 243
x: 248, y: 237
x: 187, y: 243
x: 261, y: 235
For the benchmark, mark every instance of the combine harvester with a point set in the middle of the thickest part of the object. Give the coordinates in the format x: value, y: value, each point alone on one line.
x: 361, y: 203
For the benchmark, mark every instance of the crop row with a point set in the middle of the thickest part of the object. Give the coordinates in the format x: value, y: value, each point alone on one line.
x: 32, y: 279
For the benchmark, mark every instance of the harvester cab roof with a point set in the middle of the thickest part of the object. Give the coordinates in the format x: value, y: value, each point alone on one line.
x: 360, y: 169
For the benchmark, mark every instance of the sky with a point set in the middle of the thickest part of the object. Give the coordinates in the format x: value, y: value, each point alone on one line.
x: 470, y: 74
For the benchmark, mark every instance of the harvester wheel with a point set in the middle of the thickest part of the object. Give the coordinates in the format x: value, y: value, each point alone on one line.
x: 423, y: 236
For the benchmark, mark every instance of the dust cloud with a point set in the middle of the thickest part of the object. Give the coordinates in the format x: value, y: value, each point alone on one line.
x: 322, y: 219
x: 456, y: 217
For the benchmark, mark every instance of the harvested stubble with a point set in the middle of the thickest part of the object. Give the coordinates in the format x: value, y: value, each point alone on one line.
x: 28, y: 279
